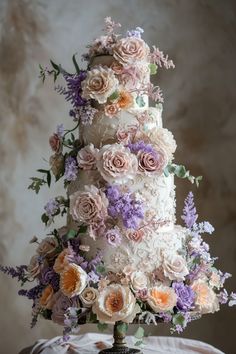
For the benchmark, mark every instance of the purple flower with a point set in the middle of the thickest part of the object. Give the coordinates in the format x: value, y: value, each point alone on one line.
x: 49, y: 276
x: 60, y: 130
x: 124, y: 206
x: 232, y: 299
x: 73, y: 91
x: 113, y: 237
x: 62, y: 303
x: 33, y: 293
x: 19, y: 272
x: 135, y: 33
x: 71, y: 169
x: 51, y: 207
x: 93, y: 277
x: 223, y: 297
x: 185, y: 296
x: 140, y: 146
x: 165, y: 316
x: 189, y: 212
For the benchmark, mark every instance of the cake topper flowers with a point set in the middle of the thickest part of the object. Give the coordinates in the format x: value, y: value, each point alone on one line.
x: 111, y: 202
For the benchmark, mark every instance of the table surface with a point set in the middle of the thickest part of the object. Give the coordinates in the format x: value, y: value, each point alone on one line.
x: 91, y: 343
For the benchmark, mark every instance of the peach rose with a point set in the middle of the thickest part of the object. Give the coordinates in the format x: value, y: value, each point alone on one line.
x: 206, y: 300
x: 88, y: 206
x: 151, y: 162
x: 88, y: 296
x: 117, y: 67
x: 46, y: 299
x: 116, y: 164
x: 162, y: 298
x: 174, y: 267
x: 130, y: 49
x: 48, y: 247
x: 136, y: 235
x: 125, y: 100
x: 61, y: 261
x: 111, y: 110
x: 35, y: 266
x: 73, y: 280
x: 86, y: 157
x: 55, y: 143
x: 115, y: 303
x: 99, y: 84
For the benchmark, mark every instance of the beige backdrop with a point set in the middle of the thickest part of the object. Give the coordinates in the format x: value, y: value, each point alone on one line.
x: 200, y: 106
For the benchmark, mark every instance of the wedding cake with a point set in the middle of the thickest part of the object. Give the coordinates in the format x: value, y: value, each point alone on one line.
x: 120, y: 256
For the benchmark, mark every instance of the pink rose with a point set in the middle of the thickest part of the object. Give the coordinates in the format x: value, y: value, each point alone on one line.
x: 151, y: 162
x: 135, y: 236
x: 126, y: 135
x: 86, y: 157
x: 116, y: 163
x: 55, y: 143
x: 130, y: 49
x: 111, y: 110
x: 99, y: 84
x: 89, y: 206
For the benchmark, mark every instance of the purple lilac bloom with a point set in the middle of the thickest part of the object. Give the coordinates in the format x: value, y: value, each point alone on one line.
x: 51, y: 207
x: 19, y: 272
x: 60, y: 130
x: 113, y: 237
x: 223, y: 296
x: 87, y: 114
x: 71, y: 169
x: 33, y: 293
x: 140, y: 146
x: 185, y: 296
x: 93, y: 277
x: 135, y: 33
x: 125, y: 207
x: 232, y: 299
x: 49, y: 276
x: 189, y: 212
x: 224, y: 277
x: 73, y: 91
x: 165, y: 316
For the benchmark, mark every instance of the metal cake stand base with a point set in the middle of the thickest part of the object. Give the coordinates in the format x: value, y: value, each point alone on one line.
x: 119, y: 345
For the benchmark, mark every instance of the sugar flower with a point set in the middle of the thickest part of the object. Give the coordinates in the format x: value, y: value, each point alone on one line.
x: 61, y: 262
x: 73, y: 280
x: 88, y: 296
x: 152, y: 162
x: 48, y: 247
x: 61, y: 304
x: 130, y: 49
x: 86, y: 157
x: 88, y: 206
x: 46, y: 299
x: 113, y: 237
x: 174, y: 267
x: 115, y: 303
x: 185, y: 296
x: 51, y: 207
x: 206, y: 300
x: 135, y: 33
x: 55, y: 143
x: 162, y: 298
x: 165, y: 140
x: 111, y: 110
x: 71, y: 169
x: 139, y: 280
x: 116, y: 164
x: 99, y: 84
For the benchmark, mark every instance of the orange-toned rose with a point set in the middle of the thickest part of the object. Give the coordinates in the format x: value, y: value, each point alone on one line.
x: 125, y: 100
x: 47, y: 297
x: 73, y: 280
x: 111, y: 110
x: 162, y: 298
x: 61, y: 261
x: 136, y: 235
x: 206, y: 300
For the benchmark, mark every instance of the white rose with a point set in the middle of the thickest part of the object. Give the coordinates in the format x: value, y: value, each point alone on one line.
x: 139, y: 280
x: 116, y: 303
x: 174, y: 267
x: 165, y: 139
x: 162, y: 298
x: 88, y: 296
x: 206, y: 300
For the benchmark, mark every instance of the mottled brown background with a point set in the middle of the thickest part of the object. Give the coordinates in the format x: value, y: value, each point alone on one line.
x: 200, y: 106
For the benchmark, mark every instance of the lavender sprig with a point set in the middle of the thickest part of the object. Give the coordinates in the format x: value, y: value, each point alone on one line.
x: 189, y: 212
x: 19, y: 272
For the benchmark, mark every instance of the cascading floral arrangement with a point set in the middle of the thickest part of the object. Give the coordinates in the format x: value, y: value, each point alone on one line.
x: 72, y: 287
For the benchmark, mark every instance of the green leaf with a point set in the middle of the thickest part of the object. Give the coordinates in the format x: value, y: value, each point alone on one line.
x: 153, y: 69
x: 138, y: 343
x: 180, y: 171
x: 140, y: 101
x: 114, y: 96
x: 44, y: 218
x: 100, y: 268
x: 122, y: 327
x: 75, y: 64
x: 178, y: 319
x: 71, y: 234
x: 49, y: 178
x: 139, y: 334
x: 55, y: 66
x: 42, y: 171
x: 102, y: 326
x: 166, y: 171
x: 83, y: 229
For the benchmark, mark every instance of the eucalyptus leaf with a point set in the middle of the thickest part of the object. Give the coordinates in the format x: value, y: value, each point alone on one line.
x: 71, y: 234
x: 139, y: 334
x: 178, y: 319
x: 102, y: 326
x: 138, y: 343
x: 140, y: 101
x: 114, y: 96
x: 153, y: 69
x: 122, y: 327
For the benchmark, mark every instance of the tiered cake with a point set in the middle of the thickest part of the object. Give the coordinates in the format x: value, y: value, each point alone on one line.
x: 120, y: 255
